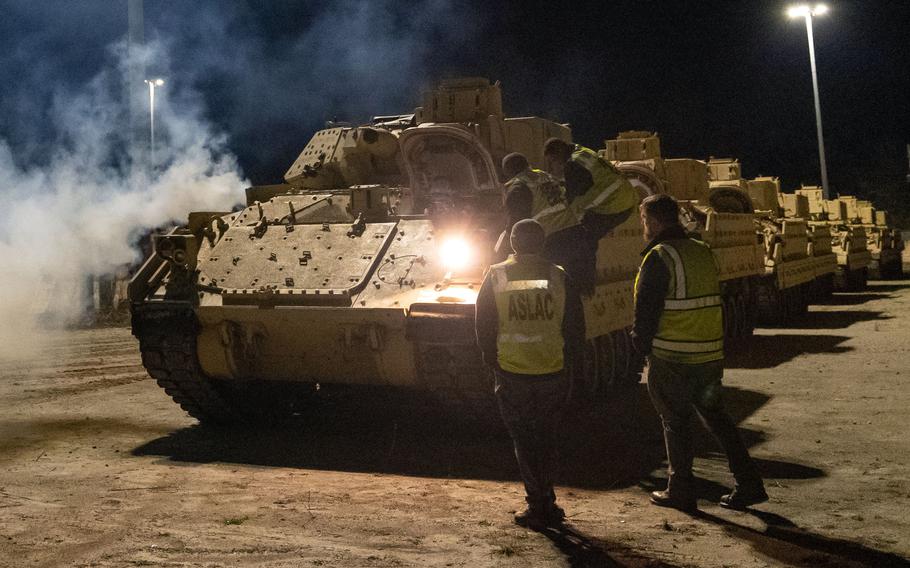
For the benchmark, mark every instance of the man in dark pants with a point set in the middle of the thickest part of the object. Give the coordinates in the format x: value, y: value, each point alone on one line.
x: 529, y: 325
x: 679, y: 326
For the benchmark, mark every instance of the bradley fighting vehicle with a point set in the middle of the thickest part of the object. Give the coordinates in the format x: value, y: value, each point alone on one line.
x: 886, y: 245
x: 721, y: 216
x: 795, y: 276
x: 799, y: 254
x: 883, y: 240
x: 820, y: 243
x: 849, y: 239
x: 769, y: 268
x: 361, y: 270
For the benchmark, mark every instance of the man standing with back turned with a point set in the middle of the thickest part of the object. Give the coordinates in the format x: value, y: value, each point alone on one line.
x: 679, y: 326
x: 529, y: 324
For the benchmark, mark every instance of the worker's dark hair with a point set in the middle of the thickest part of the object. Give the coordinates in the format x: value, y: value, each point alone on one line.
x: 527, y: 237
x: 557, y: 147
x: 513, y: 164
x: 662, y: 208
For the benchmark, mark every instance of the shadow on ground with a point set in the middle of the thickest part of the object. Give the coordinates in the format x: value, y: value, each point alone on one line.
x: 879, y: 286
x: 766, y: 351
x: 835, y: 319
x: 620, y: 445
x: 612, y: 446
x: 30, y: 436
x: 788, y: 543
x: 857, y: 298
x: 782, y: 539
x: 603, y: 448
x: 712, y: 491
x: 584, y: 551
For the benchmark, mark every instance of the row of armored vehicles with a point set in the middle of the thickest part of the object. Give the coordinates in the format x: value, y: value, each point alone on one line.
x: 811, y: 245
x: 362, y: 268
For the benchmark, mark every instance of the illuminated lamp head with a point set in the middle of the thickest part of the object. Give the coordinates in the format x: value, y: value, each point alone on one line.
x: 455, y: 253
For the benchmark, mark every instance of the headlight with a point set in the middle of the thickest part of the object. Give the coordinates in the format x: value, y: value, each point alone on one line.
x: 455, y: 253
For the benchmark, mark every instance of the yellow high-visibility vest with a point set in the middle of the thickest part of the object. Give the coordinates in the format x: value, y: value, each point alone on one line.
x: 691, y: 328
x: 610, y: 193
x: 549, y: 207
x: 530, y: 300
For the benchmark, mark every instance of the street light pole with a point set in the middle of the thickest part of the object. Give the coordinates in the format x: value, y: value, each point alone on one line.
x: 809, y: 13
x: 152, y: 83
x: 818, y: 108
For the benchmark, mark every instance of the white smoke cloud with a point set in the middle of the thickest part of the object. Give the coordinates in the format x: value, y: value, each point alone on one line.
x: 79, y: 212
x: 342, y: 59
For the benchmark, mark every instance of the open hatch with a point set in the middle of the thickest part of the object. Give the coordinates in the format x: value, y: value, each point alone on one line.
x: 448, y: 168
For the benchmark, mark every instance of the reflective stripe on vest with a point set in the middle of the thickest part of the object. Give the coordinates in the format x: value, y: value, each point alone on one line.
x: 549, y: 206
x: 520, y: 338
x: 679, y: 272
x: 691, y: 325
x: 689, y: 346
x: 530, y: 302
x: 610, y: 192
x: 527, y: 285
x: 543, y: 213
x: 692, y: 303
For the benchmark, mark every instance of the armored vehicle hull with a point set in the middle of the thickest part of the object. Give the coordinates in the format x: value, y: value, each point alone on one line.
x: 883, y: 242
x: 794, y: 276
x: 848, y: 238
x: 361, y: 271
x: 720, y: 218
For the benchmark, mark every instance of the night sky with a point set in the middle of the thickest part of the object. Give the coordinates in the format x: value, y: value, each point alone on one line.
x: 714, y: 78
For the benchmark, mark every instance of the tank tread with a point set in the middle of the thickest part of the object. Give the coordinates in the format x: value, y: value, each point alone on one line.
x: 888, y: 271
x: 629, y: 365
x: 745, y: 307
x: 611, y: 366
x: 768, y: 303
x: 852, y: 280
x: 821, y: 289
x: 739, y: 307
x: 169, y: 356
x: 480, y: 409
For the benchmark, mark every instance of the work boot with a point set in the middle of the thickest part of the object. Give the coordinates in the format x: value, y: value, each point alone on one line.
x: 666, y: 499
x: 555, y: 515
x: 744, y: 496
x: 532, y: 519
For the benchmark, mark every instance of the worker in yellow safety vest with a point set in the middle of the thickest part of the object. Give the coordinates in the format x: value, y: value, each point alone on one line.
x: 598, y: 196
x: 679, y: 327
x: 535, y: 194
x: 530, y: 325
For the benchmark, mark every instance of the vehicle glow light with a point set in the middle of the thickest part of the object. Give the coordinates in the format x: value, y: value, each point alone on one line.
x: 455, y: 253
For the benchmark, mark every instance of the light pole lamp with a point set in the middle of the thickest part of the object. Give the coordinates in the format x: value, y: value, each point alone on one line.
x: 152, y: 83
x: 809, y: 12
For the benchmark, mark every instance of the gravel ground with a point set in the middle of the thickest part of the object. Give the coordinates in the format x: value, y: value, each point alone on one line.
x: 99, y: 468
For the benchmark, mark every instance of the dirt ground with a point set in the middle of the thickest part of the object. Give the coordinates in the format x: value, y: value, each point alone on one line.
x: 99, y: 468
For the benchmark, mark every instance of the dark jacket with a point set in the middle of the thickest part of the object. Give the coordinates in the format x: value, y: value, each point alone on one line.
x: 650, y: 292
x: 487, y: 321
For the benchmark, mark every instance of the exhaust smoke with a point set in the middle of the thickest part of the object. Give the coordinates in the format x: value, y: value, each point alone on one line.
x: 79, y: 212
